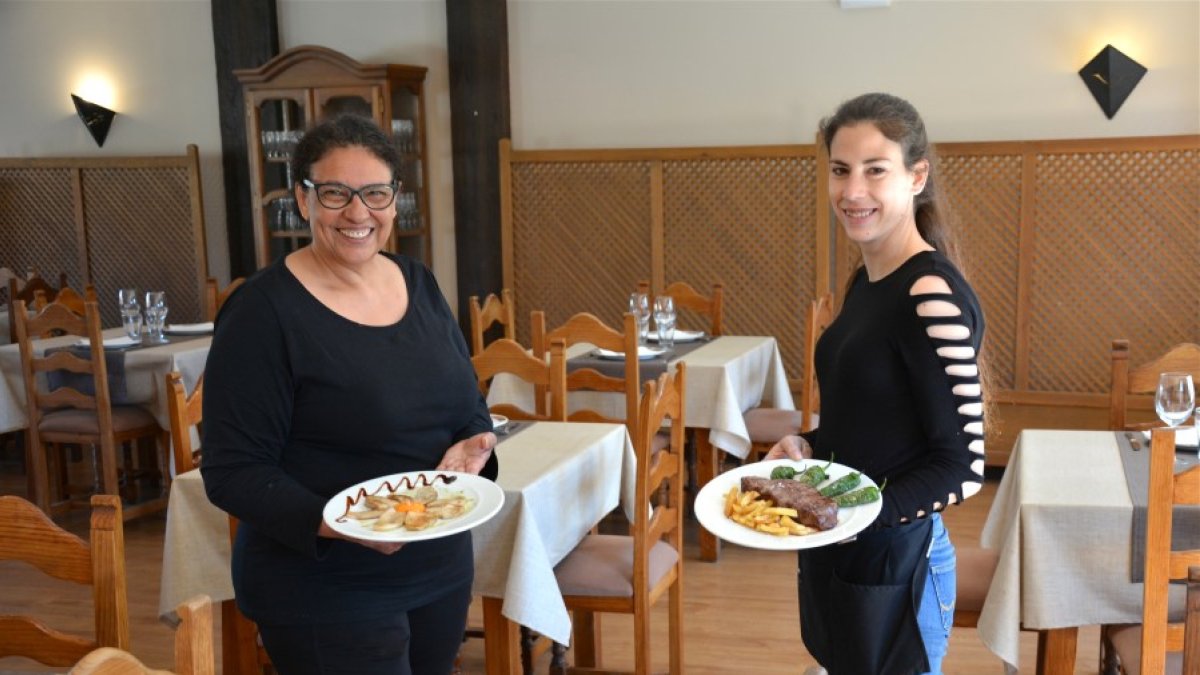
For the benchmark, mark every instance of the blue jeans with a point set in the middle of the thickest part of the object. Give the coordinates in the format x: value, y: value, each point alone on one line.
x: 936, y: 615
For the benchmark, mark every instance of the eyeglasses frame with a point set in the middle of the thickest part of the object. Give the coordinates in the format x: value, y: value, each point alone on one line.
x: 315, y: 187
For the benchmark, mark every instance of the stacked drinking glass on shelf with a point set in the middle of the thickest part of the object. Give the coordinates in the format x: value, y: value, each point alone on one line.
x: 408, y: 217
x: 280, y: 144
x: 404, y: 135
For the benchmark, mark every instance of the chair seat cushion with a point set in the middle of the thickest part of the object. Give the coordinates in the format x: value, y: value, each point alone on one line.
x: 974, y: 570
x: 602, y: 565
x: 75, y: 421
x: 1127, y: 643
x: 768, y: 425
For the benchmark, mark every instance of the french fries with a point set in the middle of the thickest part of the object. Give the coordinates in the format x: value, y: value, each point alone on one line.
x: 747, y: 509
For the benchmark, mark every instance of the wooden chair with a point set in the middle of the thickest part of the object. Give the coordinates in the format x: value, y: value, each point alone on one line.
x: 214, y: 297
x: 768, y: 425
x: 185, y: 412
x: 629, y: 574
x: 508, y: 356
x: 68, y: 416
x: 27, y: 534
x: 67, y: 296
x: 586, y: 328
x: 27, y: 291
x: 500, y: 310
x: 247, y: 654
x: 686, y: 297
x: 194, y: 649
x: 1191, y: 631
x: 1143, y: 379
x: 1155, y: 646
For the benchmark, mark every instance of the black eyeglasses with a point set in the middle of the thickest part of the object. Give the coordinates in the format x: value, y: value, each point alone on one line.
x: 376, y: 197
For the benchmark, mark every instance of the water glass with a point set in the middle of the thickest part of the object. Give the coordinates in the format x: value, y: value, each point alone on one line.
x: 639, y: 306
x: 131, y: 313
x: 156, y: 315
x: 1175, y: 398
x: 664, y: 320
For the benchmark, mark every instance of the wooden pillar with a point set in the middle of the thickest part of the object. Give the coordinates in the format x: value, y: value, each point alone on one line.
x: 477, y: 36
x: 245, y: 35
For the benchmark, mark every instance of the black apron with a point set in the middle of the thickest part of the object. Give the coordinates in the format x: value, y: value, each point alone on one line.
x: 859, y: 601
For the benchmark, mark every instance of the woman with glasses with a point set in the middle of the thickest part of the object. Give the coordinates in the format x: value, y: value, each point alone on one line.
x: 901, y: 400
x: 337, y: 364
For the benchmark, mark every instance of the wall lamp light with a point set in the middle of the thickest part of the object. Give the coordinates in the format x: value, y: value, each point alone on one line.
x: 95, y: 117
x: 1111, y: 77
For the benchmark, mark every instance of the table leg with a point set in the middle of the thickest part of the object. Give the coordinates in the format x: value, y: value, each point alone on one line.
x: 1056, y: 651
x: 706, y: 470
x: 501, y: 648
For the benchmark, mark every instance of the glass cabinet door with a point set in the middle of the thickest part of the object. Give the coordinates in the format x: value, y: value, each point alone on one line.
x: 277, y: 121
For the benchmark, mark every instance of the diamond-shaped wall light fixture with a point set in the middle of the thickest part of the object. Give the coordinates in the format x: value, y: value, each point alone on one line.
x: 1111, y: 77
x: 95, y: 117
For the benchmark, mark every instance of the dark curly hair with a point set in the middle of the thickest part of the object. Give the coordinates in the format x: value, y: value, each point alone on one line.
x: 343, y: 131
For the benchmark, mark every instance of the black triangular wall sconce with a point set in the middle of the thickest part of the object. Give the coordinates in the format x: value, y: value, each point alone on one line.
x: 1111, y: 77
x: 95, y: 117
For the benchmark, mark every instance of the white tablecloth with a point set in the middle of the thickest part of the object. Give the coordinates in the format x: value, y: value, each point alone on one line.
x: 725, y: 378
x: 559, y: 480
x: 145, y: 375
x: 1061, y: 520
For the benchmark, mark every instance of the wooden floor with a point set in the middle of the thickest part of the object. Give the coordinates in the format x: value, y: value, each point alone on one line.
x: 740, y: 613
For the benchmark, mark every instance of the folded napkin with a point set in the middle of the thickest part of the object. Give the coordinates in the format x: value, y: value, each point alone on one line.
x: 189, y: 328
x: 643, y: 353
x: 1185, y: 436
x: 112, y: 343
x: 680, y: 335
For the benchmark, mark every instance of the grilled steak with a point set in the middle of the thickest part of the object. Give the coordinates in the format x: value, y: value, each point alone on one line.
x: 813, y: 510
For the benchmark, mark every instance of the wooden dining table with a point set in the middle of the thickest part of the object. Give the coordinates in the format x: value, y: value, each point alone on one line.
x: 726, y: 376
x: 559, y: 480
x: 1061, y: 521
x: 145, y: 374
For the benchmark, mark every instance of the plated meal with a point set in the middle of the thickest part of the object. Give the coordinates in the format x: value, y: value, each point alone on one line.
x: 413, y: 506
x: 788, y: 505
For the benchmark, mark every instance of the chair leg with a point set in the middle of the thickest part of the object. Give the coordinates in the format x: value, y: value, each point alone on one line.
x: 585, y: 632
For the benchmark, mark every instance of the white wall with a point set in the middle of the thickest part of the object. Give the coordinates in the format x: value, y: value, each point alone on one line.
x: 612, y: 73
x: 597, y: 73
x: 158, y: 57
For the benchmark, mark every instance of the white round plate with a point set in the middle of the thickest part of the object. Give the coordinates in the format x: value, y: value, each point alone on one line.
x: 487, y: 495
x: 710, y: 509
x: 498, y: 421
x: 644, y: 353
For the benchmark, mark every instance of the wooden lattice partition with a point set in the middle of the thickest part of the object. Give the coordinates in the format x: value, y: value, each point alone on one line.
x: 1069, y: 244
x: 111, y: 222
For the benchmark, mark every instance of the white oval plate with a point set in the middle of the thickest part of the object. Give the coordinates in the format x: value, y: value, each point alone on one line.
x: 644, y: 353
x: 710, y: 509
x: 487, y: 495
x: 499, y: 421
x: 680, y: 335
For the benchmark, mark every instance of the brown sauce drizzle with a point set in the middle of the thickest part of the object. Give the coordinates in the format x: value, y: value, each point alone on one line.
x: 405, y: 481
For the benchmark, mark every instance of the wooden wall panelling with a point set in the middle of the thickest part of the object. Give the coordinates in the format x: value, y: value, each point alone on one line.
x: 111, y: 222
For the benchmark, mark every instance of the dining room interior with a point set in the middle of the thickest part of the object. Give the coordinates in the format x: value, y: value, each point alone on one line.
x: 554, y: 158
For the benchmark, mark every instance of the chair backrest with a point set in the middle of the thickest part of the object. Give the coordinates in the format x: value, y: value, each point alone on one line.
x: 184, y: 412
x: 194, y: 648
x: 1163, y: 565
x: 214, y: 297
x: 660, y: 474
x: 508, y: 356
x: 27, y: 534
x: 686, y: 297
x: 502, y: 310
x: 586, y: 328
x: 820, y: 315
x: 58, y: 319
x: 66, y: 296
x: 1143, y: 379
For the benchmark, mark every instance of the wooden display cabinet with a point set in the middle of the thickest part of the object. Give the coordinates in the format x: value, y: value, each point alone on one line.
x: 305, y: 85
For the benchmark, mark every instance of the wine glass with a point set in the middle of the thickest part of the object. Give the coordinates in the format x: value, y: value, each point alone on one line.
x: 664, y: 320
x: 1175, y: 398
x: 639, y: 306
x: 131, y: 313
